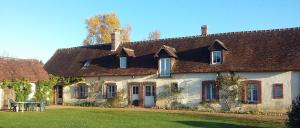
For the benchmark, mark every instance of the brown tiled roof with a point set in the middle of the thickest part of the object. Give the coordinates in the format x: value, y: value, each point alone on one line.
x: 218, y: 42
x: 249, y: 51
x: 170, y: 51
x: 129, y: 52
x: 12, y: 68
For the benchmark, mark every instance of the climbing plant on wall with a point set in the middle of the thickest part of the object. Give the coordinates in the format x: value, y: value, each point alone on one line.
x: 22, y: 88
x: 230, y: 86
x: 171, y: 97
x: 44, y: 87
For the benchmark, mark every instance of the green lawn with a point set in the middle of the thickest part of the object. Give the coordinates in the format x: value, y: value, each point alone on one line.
x: 117, y: 118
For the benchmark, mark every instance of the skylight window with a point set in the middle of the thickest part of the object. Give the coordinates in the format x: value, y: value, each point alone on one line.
x: 86, y: 64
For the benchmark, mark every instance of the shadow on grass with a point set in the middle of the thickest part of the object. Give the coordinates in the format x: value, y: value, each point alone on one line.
x: 204, y: 124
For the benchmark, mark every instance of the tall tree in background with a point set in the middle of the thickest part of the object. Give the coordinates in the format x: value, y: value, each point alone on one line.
x: 154, y: 35
x: 100, y: 28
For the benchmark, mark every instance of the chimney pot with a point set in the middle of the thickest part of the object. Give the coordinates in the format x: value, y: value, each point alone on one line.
x: 204, y: 30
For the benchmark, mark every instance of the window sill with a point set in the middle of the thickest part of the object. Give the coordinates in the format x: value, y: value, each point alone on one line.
x: 217, y: 64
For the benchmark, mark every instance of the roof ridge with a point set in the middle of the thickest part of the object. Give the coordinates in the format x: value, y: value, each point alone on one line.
x: 254, y: 31
x: 13, y: 58
x: 189, y: 37
x: 216, y: 34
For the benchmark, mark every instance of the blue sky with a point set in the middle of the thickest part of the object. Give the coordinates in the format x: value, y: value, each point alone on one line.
x: 37, y: 28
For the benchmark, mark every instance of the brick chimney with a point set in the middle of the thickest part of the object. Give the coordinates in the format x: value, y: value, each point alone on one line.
x: 115, y: 40
x: 204, y: 30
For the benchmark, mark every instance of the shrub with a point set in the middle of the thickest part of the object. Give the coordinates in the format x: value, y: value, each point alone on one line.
x: 294, y: 114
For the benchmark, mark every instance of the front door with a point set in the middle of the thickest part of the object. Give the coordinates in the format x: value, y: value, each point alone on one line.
x: 149, y: 96
x: 135, y: 95
x: 58, y: 94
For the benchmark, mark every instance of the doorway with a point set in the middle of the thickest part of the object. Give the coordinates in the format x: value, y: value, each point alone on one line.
x: 58, y: 94
x: 149, y: 100
x: 135, y: 95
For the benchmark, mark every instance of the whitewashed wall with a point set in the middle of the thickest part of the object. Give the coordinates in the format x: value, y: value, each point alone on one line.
x: 191, y: 83
x: 1, y: 98
x: 33, y: 90
x: 295, y: 84
x: 267, y: 80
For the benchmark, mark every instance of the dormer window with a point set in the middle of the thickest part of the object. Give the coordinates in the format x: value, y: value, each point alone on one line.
x: 123, y: 62
x: 125, y: 56
x: 217, y: 52
x: 166, y: 58
x: 216, y: 57
x: 165, y: 67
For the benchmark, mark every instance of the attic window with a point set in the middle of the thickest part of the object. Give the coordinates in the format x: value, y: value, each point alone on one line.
x: 216, y: 57
x: 123, y: 62
x: 86, y: 64
x: 165, y: 67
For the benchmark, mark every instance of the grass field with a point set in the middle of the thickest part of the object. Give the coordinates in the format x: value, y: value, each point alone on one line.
x: 118, y: 118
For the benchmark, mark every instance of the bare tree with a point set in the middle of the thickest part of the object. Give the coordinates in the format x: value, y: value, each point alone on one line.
x: 154, y: 35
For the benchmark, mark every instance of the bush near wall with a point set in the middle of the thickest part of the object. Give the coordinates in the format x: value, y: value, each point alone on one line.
x: 294, y: 114
x: 22, y: 88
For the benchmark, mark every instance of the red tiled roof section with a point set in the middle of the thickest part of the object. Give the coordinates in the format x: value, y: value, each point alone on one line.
x: 218, y: 43
x: 253, y: 51
x: 170, y: 51
x: 12, y: 68
x: 129, y: 52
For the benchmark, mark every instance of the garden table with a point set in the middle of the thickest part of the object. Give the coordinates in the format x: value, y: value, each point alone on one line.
x: 21, y: 105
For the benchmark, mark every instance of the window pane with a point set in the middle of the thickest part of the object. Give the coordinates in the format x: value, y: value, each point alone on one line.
x: 278, y: 91
x: 252, y: 92
x: 208, y: 91
x: 123, y: 62
x: 161, y: 66
x: 249, y: 93
x: 168, y: 64
x: 148, y: 89
x: 165, y: 66
x: 214, y: 94
x: 135, y: 90
x: 216, y: 57
x: 255, y: 94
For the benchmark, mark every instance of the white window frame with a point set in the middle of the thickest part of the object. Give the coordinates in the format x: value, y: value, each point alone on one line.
x: 135, y: 90
x: 214, y: 55
x: 252, y: 88
x: 149, y: 91
x: 123, y: 62
x: 211, y: 92
x: 82, y: 89
x: 165, y: 67
x: 111, y: 91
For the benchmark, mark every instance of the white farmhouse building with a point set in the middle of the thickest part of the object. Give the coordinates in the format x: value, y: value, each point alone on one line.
x: 268, y: 60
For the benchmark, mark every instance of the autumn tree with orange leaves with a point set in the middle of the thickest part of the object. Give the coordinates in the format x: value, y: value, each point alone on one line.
x: 100, y: 28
